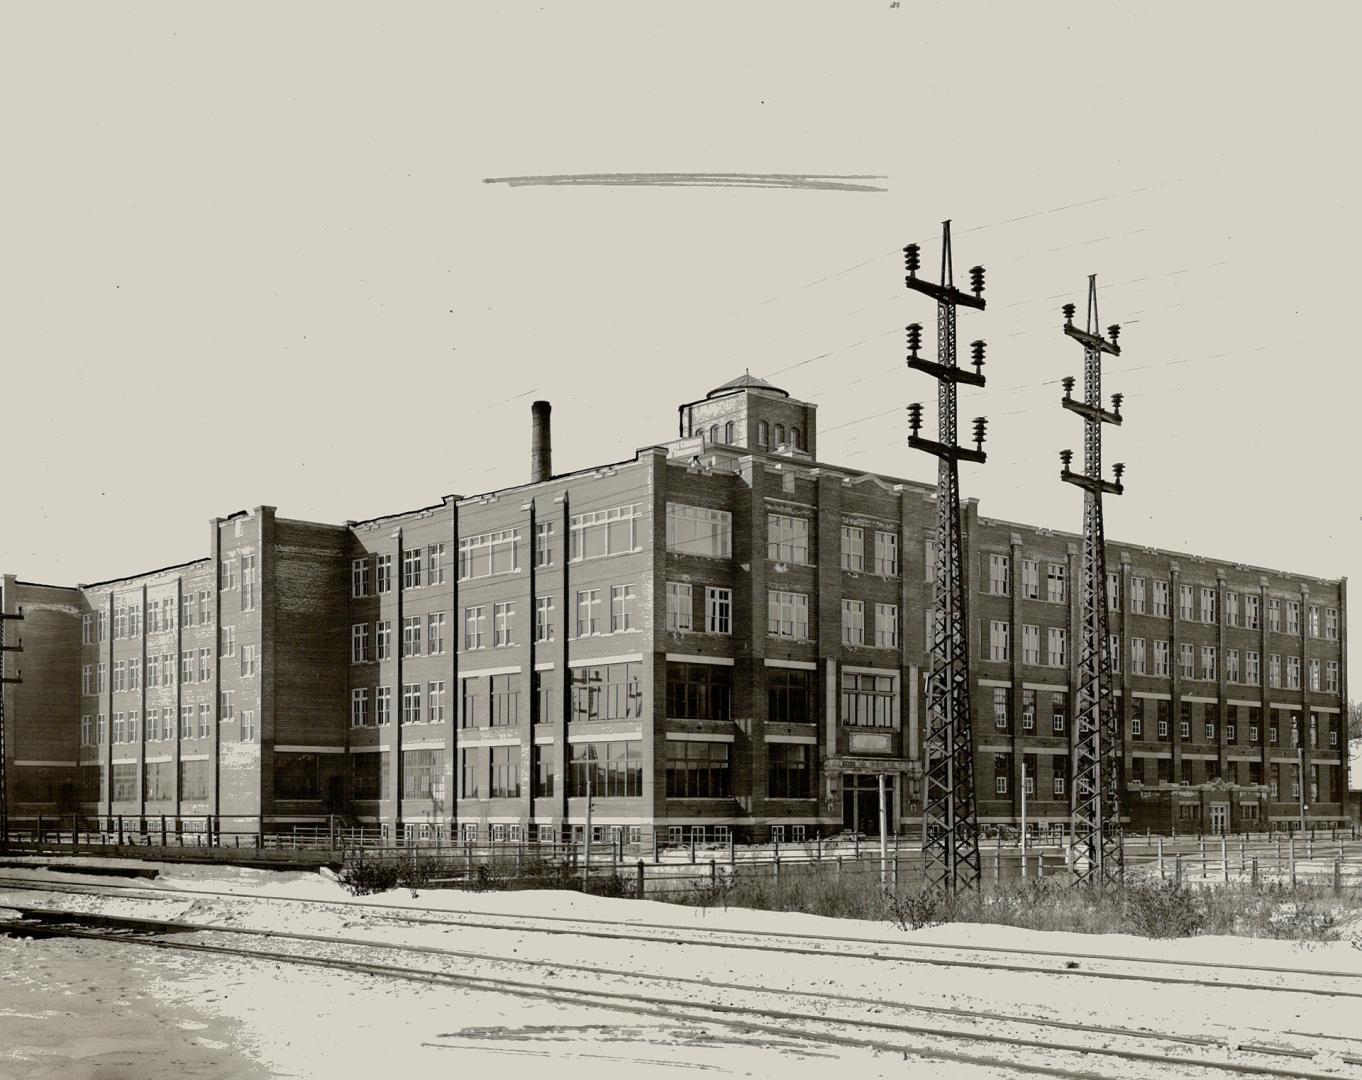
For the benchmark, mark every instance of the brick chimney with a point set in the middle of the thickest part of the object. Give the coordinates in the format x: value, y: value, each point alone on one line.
x: 541, y: 444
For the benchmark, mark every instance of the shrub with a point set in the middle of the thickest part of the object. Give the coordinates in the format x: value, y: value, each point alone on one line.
x: 365, y: 876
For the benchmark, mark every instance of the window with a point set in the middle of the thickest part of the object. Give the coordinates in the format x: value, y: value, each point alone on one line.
x: 543, y: 759
x: 787, y: 538
x: 698, y: 530
x: 763, y: 433
x: 435, y: 701
x: 679, y: 606
x: 1274, y: 615
x: 588, y: 612
x: 1185, y: 602
x: 1028, y: 710
x: 1057, y: 656
x: 359, y: 643
x: 1030, y: 579
x: 505, y: 772
x: 697, y: 770
x: 1232, y: 665
x: 503, y: 619
x: 615, y: 768
x: 383, y: 706
x: 853, y: 549
x: 120, y: 677
x: 868, y: 699
x: 227, y: 706
x: 205, y: 720
x: 1208, y: 606
x: 359, y: 707
x: 87, y: 680
x: 610, y: 692
x: 886, y: 554
x: 385, y: 573
x: 543, y: 618
x: 411, y: 703
x: 102, y: 674
x: 1137, y: 596
x: 383, y: 640
x: 505, y: 700
x: 1137, y: 656
x: 718, y: 611
x: 1331, y: 677
x: 186, y: 722
x: 1231, y: 609
x: 1293, y: 672
x: 999, y: 575
x: 622, y: 601
x: 1331, y: 624
x: 787, y: 614
x: 1058, y: 711
x: 699, y: 691
x: 1054, y: 583
x: 1293, y: 618
x: 1137, y: 718
x: 474, y: 628
x: 470, y: 703
x: 247, y: 586
x: 1061, y: 767
x: 1208, y: 662
x: 788, y: 773
x: 1161, y: 598
x: 999, y: 640
x: 489, y: 554
x: 296, y: 776
x: 206, y: 661
x: 247, y: 660
x: 118, y: 727
x: 1002, y: 765
x: 1030, y: 644
x: 1000, y: 709
x: 1252, y: 610
x: 87, y: 629
x: 791, y: 696
x: 1252, y: 674
x: 435, y: 633
x: 1314, y: 675
x: 1114, y: 652
x: 887, y: 626
x: 1114, y: 592
x: 853, y: 622
x: 359, y: 577
x: 435, y: 564
x: 605, y: 532
x: 543, y: 544
x: 411, y: 568
x: 1186, y: 660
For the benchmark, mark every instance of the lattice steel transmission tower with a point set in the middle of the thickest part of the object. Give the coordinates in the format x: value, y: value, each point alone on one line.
x: 950, y: 828
x: 1096, y: 851
x: 5, y: 680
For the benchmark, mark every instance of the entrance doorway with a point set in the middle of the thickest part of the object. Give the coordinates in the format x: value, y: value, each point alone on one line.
x: 861, y: 803
x: 1219, y: 818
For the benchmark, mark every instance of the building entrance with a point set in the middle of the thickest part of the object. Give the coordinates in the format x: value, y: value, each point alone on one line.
x: 861, y: 803
x: 1219, y: 818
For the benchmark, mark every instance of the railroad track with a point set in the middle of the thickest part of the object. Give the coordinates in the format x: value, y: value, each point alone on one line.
x: 1030, y: 1044
x: 1044, y: 962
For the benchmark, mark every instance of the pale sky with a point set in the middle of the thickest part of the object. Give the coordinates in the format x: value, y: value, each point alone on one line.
x: 249, y: 257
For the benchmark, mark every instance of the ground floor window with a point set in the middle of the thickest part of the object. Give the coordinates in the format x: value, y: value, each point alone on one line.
x: 697, y: 770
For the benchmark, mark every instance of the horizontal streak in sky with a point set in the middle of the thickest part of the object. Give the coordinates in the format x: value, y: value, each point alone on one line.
x: 744, y: 180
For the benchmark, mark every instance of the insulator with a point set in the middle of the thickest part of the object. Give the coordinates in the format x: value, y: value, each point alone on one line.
x: 1068, y: 382
x: 912, y: 258
x: 976, y: 349
x: 976, y: 280
x: 914, y: 337
x: 1116, y: 400
x: 1069, y: 310
x: 980, y: 425
x: 1065, y: 457
x: 915, y: 416
x: 1113, y: 332
x: 1119, y: 469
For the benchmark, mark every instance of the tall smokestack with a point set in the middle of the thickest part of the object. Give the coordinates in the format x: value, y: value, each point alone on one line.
x: 541, y: 444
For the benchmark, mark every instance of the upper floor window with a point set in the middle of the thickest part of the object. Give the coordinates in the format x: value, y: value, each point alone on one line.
x: 1208, y: 606
x: 1161, y: 596
x: 787, y: 538
x: 411, y: 568
x: 853, y: 549
x: 1114, y: 592
x: 489, y: 554
x: 385, y: 573
x: 1185, y: 602
x: 435, y: 564
x: 359, y: 577
x: 869, y: 699
x: 763, y: 433
x: 698, y: 530
x: 999, y: 575
x: 1031, y: 579
x: 853, y: 622
x: 1054, y: 583
x: 605, y: 532
x: 1252, y: 609
x: 787, y: 614
x: 1137, y: 597
x: 886, y: 554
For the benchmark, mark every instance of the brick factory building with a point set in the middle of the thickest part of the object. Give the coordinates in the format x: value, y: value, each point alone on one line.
x: 723, y: 632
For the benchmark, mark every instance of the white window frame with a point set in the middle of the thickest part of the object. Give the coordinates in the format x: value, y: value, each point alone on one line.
x: 853, y: 622
x: 718, y: 611
x: 680, y: 607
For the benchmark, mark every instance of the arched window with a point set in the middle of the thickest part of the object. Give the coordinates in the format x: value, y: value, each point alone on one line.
x: 713, y: 433
x: 780, y: 434
x: 794, y: 438
x: 763, y: 434
x: 729, y: 432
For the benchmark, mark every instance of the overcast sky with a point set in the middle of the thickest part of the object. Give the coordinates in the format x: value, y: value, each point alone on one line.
x: 249, y: 255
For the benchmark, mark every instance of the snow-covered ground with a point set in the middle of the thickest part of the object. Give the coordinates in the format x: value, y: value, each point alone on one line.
x: 292, y: 1021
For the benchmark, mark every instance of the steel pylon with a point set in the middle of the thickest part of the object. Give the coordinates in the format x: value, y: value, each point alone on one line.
x: 1096, y: 854
x: 950, y: 830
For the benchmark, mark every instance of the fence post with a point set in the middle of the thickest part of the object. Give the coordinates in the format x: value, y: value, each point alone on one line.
x: 1254, y: 879
x: 1310, y: 845
x: 839, y: 868
x: 654, y: 845
x: 208, y: 828
x: 857, y: 839
x: 732, y: 854
x: 692, y: 846
x: 1224, y: 858
x: 713, y: 873
x: 777, y: 866
x: 1338, y: 877
x: 1291, y: 848
x: 638, y: 888
x: 1160, y: 858
x: 1177, y: 869
x: 997, y: 864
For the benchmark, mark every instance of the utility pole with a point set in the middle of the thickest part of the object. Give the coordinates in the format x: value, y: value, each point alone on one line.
x: 5, y: 680
x: 1097, y: 855
x: 884, y: 835
x: 950, y: 827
